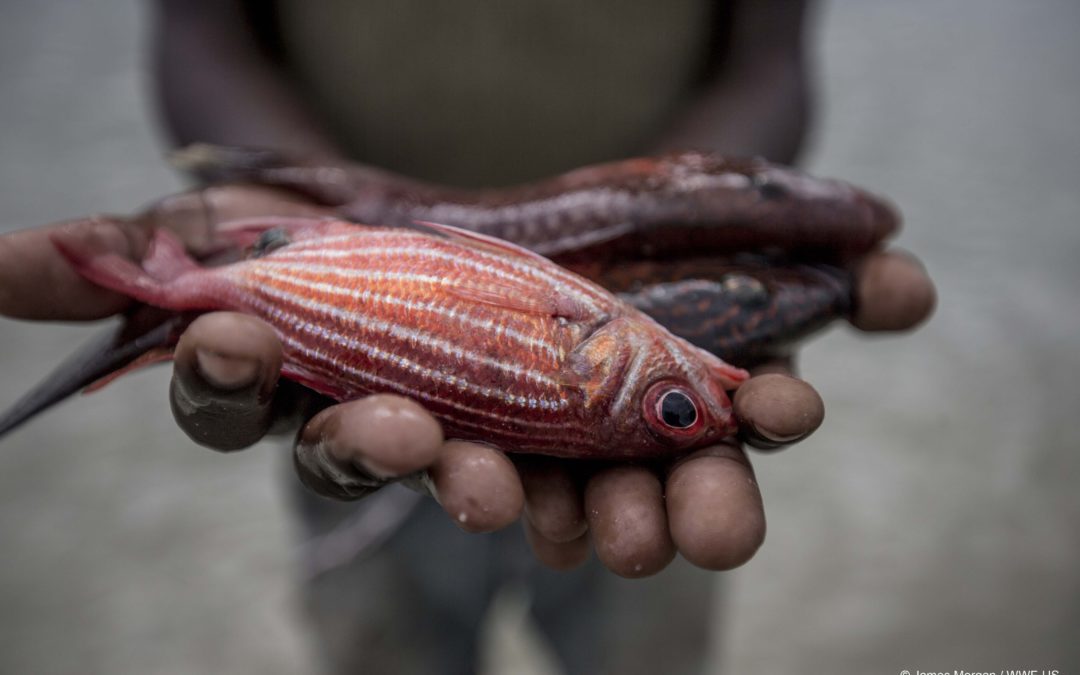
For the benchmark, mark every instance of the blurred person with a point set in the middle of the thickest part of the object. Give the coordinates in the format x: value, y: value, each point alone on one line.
x: 481, y: 94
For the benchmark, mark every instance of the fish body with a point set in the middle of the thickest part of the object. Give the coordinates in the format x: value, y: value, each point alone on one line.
x: 667, y: 206
x: 746, y: 308
x: 670, y: 234
x: 502, y: 345
x: 677, y: 225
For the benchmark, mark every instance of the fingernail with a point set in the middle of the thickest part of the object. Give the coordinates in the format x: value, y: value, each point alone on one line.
x: 330, y: 477
x: 763, y: 438
x: 226, y: 372
x: 776, y: 436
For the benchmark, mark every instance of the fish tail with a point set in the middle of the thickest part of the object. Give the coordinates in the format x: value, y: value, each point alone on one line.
x: 149, y: 332
x: 166, y: 258
x: 148, y: 282
x: 147, y: 336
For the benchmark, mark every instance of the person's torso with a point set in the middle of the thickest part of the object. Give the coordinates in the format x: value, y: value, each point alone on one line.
x: 493, y: 92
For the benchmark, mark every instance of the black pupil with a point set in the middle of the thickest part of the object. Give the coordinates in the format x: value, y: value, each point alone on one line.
x: 677, y: 410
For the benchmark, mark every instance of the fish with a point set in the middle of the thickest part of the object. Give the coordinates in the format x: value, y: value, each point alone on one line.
x: 741, y: 256
x: 746, y: 308
x: 671, y: 205
x: 502, y: 345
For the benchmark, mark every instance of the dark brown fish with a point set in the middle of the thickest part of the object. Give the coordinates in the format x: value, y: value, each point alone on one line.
x: 670, y: 233
x: 666, y: 206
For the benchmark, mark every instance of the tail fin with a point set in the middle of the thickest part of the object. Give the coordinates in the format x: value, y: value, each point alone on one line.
x: 148, y: 335
x: 165, y: 260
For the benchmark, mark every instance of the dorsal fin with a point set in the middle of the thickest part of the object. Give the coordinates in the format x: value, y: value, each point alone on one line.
x: 484, y: 241
x: 522, y: 297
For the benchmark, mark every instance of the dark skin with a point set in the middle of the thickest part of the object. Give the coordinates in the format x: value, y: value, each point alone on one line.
x: 227, y: 395
x: 226, y: 391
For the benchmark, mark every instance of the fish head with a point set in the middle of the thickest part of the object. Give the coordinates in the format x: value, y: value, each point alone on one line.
x: 651, y: 393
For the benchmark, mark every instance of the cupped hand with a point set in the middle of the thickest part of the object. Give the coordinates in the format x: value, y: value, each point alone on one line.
x: 637, y: 517
x: 226, y: 394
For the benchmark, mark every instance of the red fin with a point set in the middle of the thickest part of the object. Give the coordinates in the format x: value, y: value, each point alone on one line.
x: 728, y: 375
x: 524, y: 299
x: 519, y: 297
x: 509, y: 297
x: 166, y: 258
x: 483, y: 241
x: 155, y: 355
x: 107, y: 269
x: 597, y: 363
x: 115, y: 272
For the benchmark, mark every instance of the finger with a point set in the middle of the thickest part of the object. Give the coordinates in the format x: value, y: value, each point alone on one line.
x: 553, y: 499
x: 714, y: 508
x: 351, y: 449
x: 625, y: 511
x: 37, y: 282
x: 477, y: 486
x: 193, y: 215
x: 226, y: 368
x: 563, y: 555
x: 892, y: 292
x: 774, y: 410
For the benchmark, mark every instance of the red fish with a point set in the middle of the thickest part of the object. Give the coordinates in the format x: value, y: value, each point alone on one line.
x: 501, y: 344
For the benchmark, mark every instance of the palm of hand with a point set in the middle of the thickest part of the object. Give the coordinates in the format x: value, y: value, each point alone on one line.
x: 226, y: 395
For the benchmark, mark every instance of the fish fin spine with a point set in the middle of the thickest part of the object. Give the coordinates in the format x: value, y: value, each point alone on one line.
x: 484, y: 241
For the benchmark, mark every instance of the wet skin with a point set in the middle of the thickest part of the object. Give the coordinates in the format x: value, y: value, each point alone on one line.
x: 226, y: 395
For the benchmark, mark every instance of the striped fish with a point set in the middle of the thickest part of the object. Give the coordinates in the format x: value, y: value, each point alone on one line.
x: 501, y: 344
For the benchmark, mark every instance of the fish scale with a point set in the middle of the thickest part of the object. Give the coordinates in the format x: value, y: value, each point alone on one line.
x: 331, y: 293
x: 502, y: 345
x: 671, y: 234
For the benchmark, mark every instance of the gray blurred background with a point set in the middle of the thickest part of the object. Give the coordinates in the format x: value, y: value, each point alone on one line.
x: 933, y: 523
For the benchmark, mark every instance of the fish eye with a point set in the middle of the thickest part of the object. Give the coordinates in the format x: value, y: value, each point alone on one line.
x: 676, y: 409
x: 674, y: 412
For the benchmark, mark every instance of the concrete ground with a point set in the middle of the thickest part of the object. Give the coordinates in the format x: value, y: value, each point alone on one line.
x: 930, y: 525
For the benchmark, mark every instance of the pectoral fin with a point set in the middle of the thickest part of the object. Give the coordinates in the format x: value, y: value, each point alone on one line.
x: 597, y: 366
x: 522, y: 298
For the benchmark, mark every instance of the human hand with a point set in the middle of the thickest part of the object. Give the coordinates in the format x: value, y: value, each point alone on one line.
x: 37, y: 283
x: 226, y: 394
x: 706, y: 507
